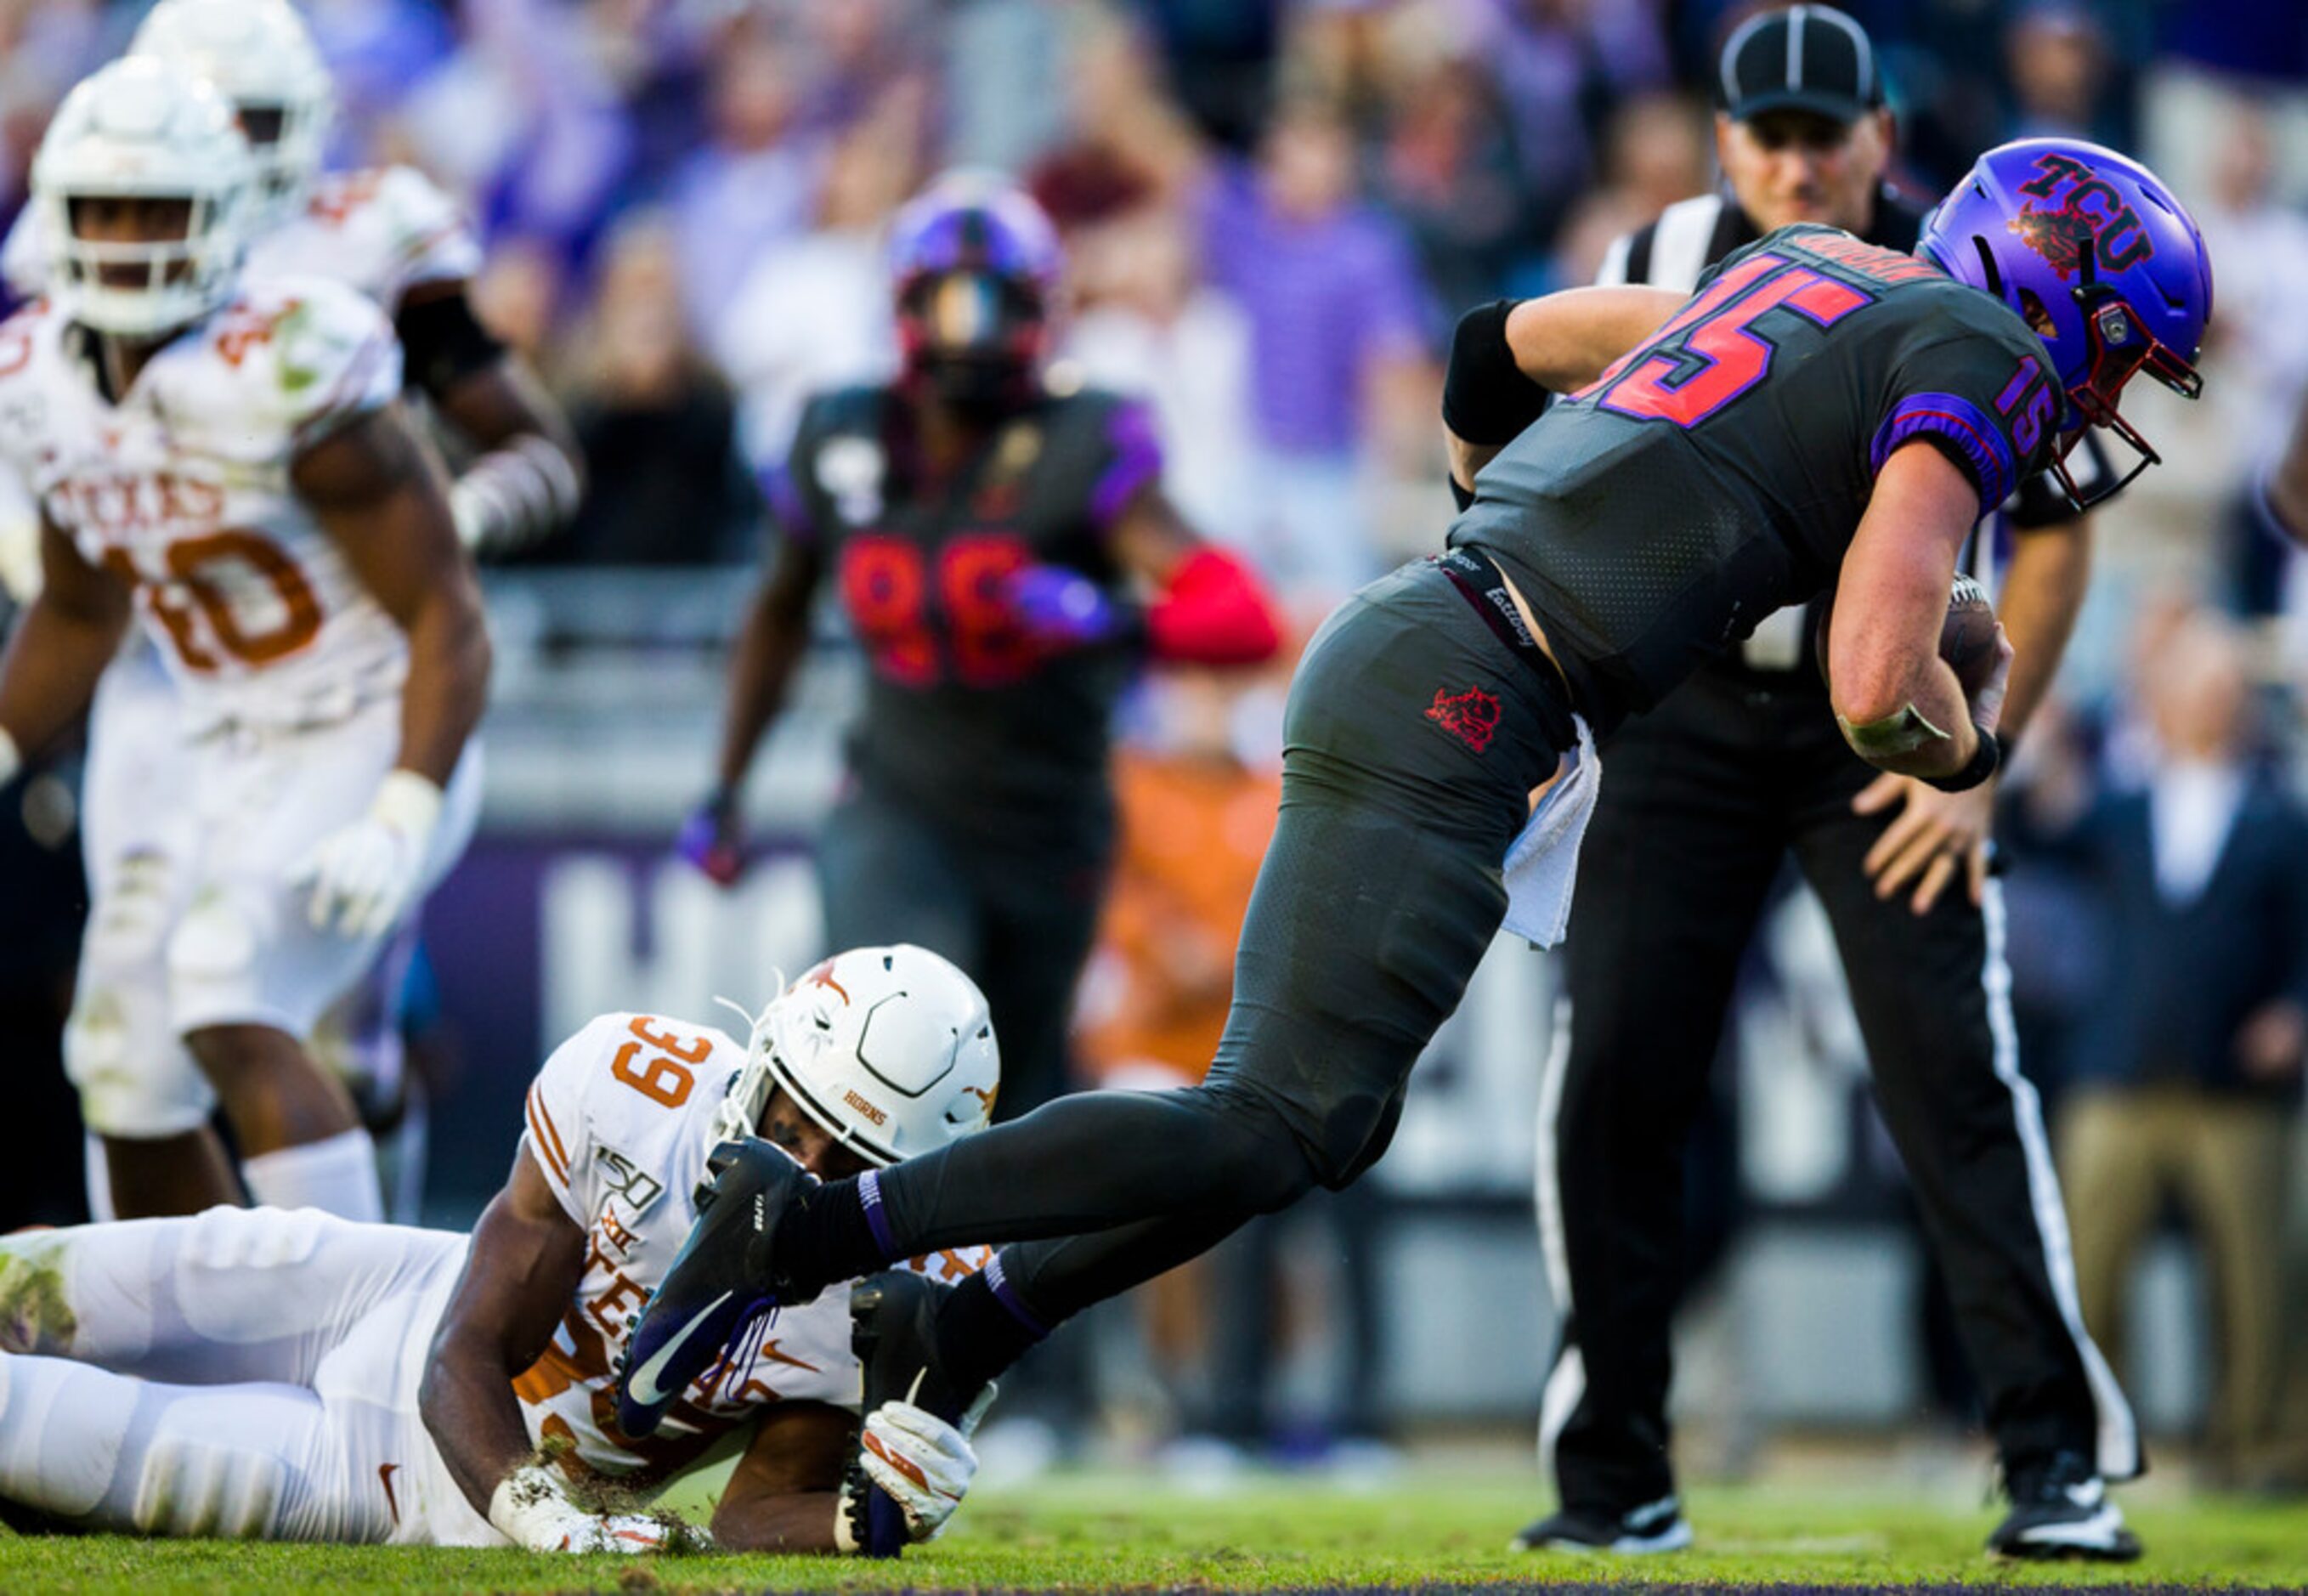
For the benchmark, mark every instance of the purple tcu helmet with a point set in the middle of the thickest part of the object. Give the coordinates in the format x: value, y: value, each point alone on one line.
x: 2093, y: 252
x: 975, y: 266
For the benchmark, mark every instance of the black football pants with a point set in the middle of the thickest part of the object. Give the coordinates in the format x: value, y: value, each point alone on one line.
x: 1020, y: 921
x: 1702, y: 801
x: 1413, y: 738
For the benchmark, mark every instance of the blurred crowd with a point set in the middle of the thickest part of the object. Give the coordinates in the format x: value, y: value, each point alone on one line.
x: 1273, y: 211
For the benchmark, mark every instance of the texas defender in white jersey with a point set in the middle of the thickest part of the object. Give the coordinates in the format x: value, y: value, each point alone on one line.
x: 294, y: 1376
x: 228, y: 455
x: 391, y: 234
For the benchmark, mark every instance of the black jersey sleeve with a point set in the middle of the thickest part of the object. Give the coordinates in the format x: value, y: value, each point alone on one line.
x: 1978, y: 395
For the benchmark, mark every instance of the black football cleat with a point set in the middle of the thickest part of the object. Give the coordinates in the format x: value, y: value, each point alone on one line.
x: 719, y: 1283
x: 1657, y: 1527
x: 2060, y: 1508
x: 893, y: 1331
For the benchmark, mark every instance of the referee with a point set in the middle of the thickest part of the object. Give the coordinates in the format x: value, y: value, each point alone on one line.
x: 1706, y: 796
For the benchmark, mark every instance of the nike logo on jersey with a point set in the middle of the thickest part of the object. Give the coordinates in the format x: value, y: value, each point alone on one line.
x: 384, y: 1471
x: 643, y: 1384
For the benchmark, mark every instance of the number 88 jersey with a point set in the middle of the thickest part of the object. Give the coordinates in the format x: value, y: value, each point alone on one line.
x: 182, y: 488
x: 965, y: 719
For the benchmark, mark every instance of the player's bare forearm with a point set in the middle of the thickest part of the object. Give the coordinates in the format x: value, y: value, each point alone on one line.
x: 784, y: 1494
x: 1562, y: 341
x: 2042, y: 592
x: 1901, y: 706
x: 60, y: 646
x: 527, y: 1260
x: 530, y: 476
x: 769, y: 647
x: 377, y: 491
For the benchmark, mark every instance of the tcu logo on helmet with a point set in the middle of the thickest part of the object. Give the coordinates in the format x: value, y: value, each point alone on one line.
x: 2093, y: 216
x: 1472, y: 716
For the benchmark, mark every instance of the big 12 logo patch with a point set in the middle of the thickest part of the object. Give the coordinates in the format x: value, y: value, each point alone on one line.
x: 2092, y: 218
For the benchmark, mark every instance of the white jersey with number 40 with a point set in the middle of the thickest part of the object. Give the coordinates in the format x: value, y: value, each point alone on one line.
x: 183, y: 488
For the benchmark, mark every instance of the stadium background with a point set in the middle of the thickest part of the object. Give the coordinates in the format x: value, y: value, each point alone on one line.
x: 1274, y: 211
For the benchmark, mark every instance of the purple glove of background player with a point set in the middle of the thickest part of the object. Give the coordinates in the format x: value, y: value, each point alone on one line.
x: 713, y: 839
x: 1059, y: 608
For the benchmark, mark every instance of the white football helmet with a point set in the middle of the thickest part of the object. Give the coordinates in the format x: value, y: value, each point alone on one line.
x: 889, y: 1049
x: 142, y: 128
x: 260, y: 56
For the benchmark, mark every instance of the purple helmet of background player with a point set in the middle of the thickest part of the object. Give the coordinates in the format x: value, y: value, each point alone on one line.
x: 2098, y: 257
x: 975, y: 266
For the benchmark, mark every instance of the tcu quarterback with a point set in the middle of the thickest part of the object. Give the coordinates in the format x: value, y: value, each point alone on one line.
x: 389, y: 233
x: 1656, y: 475
x: 296, y: 1376
x: 224, y: 453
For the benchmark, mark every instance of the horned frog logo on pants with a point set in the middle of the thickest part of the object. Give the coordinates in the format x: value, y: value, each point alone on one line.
x: 1472, y: 716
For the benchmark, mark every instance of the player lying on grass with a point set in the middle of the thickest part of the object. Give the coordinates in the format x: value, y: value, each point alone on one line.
x: 296, y: 1376
x: 1822, y: 413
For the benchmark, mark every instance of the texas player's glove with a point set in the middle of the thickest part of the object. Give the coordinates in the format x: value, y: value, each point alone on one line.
x: 530, y: 1508
x: 920, y: 1461
x: 363, y: 877
x: 713, y: 838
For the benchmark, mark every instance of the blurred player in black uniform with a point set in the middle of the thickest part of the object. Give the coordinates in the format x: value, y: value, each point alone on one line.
x: 1822, y: 413
x: 1708, y: 795
x: 988, y: 539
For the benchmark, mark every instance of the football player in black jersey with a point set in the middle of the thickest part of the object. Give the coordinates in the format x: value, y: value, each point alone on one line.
x: 1740, y: 768
x: 1822, y: 413
x: 1007, y: 559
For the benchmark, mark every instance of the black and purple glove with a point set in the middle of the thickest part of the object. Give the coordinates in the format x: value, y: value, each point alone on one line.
x: 713, y: 838
x: 1060, y: 610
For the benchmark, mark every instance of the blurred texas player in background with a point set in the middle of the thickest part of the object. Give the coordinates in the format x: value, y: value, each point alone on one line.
x: 227, y: 453
x: 986, y: 535
x: 389, y: 233
x: 292, y: 1376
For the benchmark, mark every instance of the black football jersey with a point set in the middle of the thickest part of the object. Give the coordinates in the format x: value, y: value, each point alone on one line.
x: 964, y: 719
x: 1718, y: 470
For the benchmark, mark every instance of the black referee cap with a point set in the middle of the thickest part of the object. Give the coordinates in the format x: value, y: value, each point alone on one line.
x: 1806, y: 58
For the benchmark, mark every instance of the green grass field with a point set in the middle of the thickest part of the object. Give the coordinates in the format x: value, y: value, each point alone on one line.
x: 1113, y: 1530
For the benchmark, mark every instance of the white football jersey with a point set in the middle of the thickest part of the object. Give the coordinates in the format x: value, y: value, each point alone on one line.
x: 618, y: 1120
x: 383, y: 230
x: 183, y: 488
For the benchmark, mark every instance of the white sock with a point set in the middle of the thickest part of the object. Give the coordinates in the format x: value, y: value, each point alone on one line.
x: 336, y: 1175
x: 98, y: 1169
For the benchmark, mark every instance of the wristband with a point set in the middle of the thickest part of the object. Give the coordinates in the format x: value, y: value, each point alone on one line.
x: 408, y: 803
x: 11, y: 758
x: 1487, y: 399
x: 1986, y: 756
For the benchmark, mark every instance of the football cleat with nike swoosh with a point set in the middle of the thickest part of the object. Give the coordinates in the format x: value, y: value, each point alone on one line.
x: 719, y: 1283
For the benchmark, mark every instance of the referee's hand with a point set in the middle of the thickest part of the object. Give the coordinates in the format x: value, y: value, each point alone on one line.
x: 1931, y: 834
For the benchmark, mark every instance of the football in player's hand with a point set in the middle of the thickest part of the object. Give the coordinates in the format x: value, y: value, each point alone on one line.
x: 1967, y: 637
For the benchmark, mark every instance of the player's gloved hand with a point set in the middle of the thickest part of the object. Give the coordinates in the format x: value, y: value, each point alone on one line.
x: 1931, y: 835
x: 530, y: 1508
x: 363, y: 877
x: 1059, y: 608
x: 713, y: 838
x: 919, y: 1462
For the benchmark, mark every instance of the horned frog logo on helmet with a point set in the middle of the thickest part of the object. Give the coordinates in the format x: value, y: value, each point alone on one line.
x: 889, y: 1049
x: 142, y: 129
